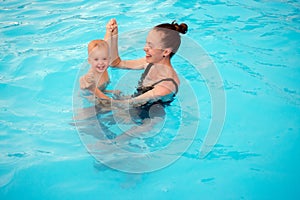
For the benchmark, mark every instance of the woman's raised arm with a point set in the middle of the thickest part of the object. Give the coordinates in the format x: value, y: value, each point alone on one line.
x: 111, y: 36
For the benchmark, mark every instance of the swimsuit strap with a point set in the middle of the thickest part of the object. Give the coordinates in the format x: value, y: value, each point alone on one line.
x: 167, y: 79
x: 145, y: 74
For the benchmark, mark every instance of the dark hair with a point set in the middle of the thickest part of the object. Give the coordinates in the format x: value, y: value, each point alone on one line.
x: 171, y: 35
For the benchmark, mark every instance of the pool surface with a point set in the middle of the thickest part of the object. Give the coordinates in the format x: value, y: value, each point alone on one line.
x: 254, y: 45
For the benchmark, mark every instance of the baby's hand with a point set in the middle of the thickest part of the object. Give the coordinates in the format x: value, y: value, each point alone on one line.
x: 112, y: 27
x: 89, y: 80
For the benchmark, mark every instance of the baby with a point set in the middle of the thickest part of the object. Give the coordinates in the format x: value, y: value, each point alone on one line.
x: 96, y: 80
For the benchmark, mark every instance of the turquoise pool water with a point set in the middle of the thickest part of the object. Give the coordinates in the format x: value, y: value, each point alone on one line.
x: 255, y: 47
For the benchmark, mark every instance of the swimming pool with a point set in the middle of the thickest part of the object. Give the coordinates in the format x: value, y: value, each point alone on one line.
x: 255, y: 46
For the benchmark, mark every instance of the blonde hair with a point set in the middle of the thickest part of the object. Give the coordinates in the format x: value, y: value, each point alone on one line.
x: 96, y: 43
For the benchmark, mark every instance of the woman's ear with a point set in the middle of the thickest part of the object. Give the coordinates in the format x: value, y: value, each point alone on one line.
x: 167, y: 52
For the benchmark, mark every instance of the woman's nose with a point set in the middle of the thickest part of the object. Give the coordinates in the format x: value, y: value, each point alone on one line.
x: 146, y: 48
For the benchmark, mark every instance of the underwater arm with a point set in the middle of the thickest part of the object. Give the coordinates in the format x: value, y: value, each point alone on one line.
x: 150, y: 96
x: 98, y: 93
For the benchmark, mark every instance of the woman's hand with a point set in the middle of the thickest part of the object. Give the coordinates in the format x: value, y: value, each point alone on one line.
x: 112, y: 27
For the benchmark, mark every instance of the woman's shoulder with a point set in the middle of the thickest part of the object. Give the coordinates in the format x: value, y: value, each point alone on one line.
x: 176, y: 77
x: 167, y: 72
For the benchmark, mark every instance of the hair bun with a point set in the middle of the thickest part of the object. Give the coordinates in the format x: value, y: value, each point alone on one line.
x: 182, y: 28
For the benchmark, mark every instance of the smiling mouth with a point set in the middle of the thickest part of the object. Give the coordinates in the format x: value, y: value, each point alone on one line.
x: 100, y: 68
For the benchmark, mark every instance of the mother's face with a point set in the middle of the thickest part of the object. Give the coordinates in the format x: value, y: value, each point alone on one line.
x: 154, y: 47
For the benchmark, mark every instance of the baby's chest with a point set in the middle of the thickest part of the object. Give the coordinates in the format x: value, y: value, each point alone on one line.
x: 103, y: 80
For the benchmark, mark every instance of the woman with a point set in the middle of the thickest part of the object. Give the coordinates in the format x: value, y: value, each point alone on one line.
x: 159, y: 82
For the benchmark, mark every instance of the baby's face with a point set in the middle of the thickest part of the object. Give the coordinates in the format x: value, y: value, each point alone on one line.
x: 99, y: 59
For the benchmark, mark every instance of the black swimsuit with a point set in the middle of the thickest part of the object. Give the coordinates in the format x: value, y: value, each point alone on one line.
x: 141, y: 89
x: 152, y: 109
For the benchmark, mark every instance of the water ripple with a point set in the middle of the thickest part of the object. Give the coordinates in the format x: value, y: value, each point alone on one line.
x: 255, y: 45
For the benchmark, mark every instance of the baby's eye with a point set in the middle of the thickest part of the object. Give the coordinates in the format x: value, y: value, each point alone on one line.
x: 104, y: 58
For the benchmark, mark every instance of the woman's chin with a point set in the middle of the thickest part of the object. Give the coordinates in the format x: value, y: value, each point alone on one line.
x: 148, y: 59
